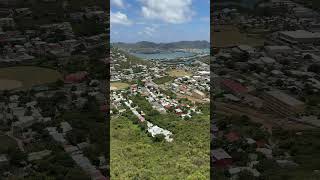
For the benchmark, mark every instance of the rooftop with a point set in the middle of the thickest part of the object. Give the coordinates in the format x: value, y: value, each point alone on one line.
x: 285, y: 98
x: 300, y: 34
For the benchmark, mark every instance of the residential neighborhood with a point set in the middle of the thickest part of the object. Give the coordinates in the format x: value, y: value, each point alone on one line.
x: 265, y: 89
x: 53, y: 98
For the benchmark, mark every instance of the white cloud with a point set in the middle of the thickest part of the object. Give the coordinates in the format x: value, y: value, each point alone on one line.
x: 117, y: 3
x: 149, y: 31
x: 119, y: 18
x: 170, y: 11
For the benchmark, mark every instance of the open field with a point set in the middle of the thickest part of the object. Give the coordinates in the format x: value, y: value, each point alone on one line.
x: 26, y: 76
x: 118, y: 85
x: 6, y: 142
x: 164, y: 80
x: 231, y: 36
x: 179, y: 73
x: 6, y: 84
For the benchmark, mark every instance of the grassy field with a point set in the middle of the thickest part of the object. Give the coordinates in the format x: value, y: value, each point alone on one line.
x: 231, y: 36
x: 135, y: 156
x: 6, y: 142
x: 119, y: 85
x: 178, y: 73
x: 6, y: 84
x: 28, y: 75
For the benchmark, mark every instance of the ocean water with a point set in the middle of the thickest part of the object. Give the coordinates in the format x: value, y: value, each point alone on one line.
x: 169, y: 54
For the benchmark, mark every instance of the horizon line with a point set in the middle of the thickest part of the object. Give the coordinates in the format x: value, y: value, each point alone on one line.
x: 158, y: 41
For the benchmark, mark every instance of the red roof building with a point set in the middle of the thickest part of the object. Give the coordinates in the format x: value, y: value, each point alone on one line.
x: 183, y: 88
x: 232, y: 136
x: 76, y: 77
x: 261, y: 143
x: 233, y: 87
x: 104, y: 108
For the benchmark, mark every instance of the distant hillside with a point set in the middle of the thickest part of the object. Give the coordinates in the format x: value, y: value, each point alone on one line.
x: 131, y: 60
x: 237, y: 3
x: 162, y: 46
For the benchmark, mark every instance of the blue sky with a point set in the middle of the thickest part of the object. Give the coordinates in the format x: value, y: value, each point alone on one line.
x: 159, y: 20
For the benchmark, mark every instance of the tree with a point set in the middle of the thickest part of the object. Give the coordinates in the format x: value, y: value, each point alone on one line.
x: 307, y: 57
x: 314, y: 68
x: 59, y: 83
x: 246, y: 175
x: 16, y: 156
x: 266, y: 164
x: 159, y: 138
x: 28, y: 112
x: 76, y: 174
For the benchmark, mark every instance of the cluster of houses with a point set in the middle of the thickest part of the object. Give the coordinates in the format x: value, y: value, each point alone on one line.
x: 57, y: 39
x: 196, y: 86
x: 76, y: 152
x: 20, y: 116
x: 262, y: 149
x: 163, y: 103
x: 118, y: 99
x: 51, y: 39
x: 155, y: 94
x: 275, y: 77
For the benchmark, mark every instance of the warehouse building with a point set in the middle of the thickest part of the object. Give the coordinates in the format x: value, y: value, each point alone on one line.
x: 299, y: 36
x: 282, y: 104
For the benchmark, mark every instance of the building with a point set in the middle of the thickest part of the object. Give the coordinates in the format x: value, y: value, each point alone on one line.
x: 3, y: 160
x: 7, y: 22
x: 38, y: 155
x: 24, y: 122
x: 299, y: 36
x: 303, y: 12
x: 76, y: 77
x: 233, y: 87
x: 274, y: 50
x: 66, y: 127
x: 282, y: 103
x: 232, y: 136
x: 8, y: 2
x: 221, y: 158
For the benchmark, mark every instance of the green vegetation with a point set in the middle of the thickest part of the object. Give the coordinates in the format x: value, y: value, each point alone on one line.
x: 58, y: 166
x: 88, y: 28
x: 187, y: 157
x: 163, y: 80
x: 131, y: 60
x: 169, y: 93
x: 303, y: 146
x: 6, y: 143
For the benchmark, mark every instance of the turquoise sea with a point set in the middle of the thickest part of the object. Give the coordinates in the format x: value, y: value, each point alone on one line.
x: 167, y: 55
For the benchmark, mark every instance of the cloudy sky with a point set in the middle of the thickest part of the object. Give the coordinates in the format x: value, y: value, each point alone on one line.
x: 159, y: 20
